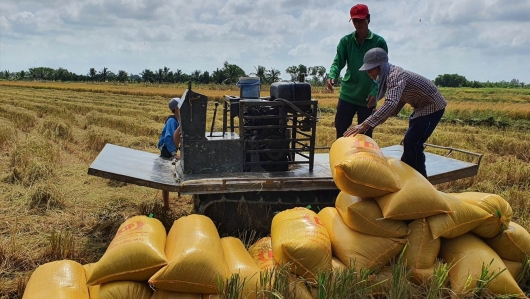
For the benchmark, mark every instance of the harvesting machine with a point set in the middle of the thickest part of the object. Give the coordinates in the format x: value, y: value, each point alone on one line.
x: 263, y: 161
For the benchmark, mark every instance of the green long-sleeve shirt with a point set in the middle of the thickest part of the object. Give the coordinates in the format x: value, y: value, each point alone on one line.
x: 356, y: 85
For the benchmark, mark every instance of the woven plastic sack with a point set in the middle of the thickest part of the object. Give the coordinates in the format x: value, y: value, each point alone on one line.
x: 365, y: 216
x: 299, y: 239
x: 298, y: 286
x: 135, y: 253
x: 421, y: 276
x: 355, y: 248
x: 336, y: 264
x: 422, y: 249
x: 359, y: 168
x: 513, y: 244
x: 381, y: 283
x: 163, y: 294
x: 494, y: 205
x: 240, y: 262
x: 417, y: 198
x: 465, y: 217
x: 59, y: 280
x: 261, y: 253
x: 469, y: 253
x: 195, y: 255
x: 514, y: 268
x: 92, y: 290
x: 125, y: 290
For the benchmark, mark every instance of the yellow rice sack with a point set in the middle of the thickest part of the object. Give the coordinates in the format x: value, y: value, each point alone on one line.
x: 135, y: 253
x: 299, y: 238
x: 422, y: 249
x: 59, y: 280
x: 240, y: 262
x: 513, y: 244
x: 196, y: 257
x: 336, y: 264
x: 261, y: 253
x: 469, y: 253
x: 300, y: 289
x: 355, y: 248
x: 494, y: 205
x: 163, y: 294
x: 421, y: 276
x: 365, y: 216
x: 359, y: 168
x: 465, y: 217
x: 92, y: 290
x: 417, y: 198
x: 125, y: 290
x: 514, y: 268
x: 381, y: 282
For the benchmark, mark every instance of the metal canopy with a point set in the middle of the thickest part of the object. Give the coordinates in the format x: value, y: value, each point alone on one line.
x: 148, y: 169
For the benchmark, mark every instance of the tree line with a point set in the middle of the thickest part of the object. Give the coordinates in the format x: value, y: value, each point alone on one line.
x: 455, y: 80
x: 227, y: 74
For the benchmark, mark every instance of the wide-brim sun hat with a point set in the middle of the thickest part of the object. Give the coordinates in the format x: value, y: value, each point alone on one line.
x: 374, y: 58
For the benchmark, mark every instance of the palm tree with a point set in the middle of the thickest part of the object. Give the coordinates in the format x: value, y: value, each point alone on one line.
x: 196, y: 75
x: 165, y: 73
x: 6, y: 74
x: 293, y: 70
x: 159, y: 76
x: 178, y: 76
x: 92, y: 73
x: 104, y: 73
x: 122, y: 76
x: 273, y: 75
x: 218, y: 76
x: 147, y: 75
x: 261, y: 73
x: 232, y: 72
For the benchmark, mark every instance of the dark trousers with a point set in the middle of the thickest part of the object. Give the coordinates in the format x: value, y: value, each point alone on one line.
x: 164, y: 153
x: 344, y: 117
x: 420, y: 129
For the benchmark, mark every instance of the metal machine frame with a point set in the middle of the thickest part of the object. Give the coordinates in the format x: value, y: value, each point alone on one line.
x: 213, y: 164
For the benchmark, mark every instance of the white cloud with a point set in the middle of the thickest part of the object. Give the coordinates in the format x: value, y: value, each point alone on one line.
x: 482, y: 40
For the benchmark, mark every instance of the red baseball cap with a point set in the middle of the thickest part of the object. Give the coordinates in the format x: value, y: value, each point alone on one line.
x: 359, y: 11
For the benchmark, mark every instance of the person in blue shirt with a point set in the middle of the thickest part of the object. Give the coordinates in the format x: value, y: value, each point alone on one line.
x: 170, y: 138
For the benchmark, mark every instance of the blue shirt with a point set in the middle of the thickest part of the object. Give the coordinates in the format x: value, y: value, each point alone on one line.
x: 166, y: 137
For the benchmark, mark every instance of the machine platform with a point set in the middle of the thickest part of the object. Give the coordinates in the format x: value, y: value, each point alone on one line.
x: 148, y: 169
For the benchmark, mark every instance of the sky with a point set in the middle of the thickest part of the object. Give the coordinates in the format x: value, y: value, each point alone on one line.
x: 483, y: 40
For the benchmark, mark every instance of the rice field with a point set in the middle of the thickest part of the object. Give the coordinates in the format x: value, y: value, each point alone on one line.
x: 51, y: 132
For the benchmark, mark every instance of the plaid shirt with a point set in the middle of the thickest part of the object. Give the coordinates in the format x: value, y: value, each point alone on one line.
x: 407, y: 87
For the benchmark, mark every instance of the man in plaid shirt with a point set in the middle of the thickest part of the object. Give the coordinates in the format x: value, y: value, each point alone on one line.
x: 403, y: 87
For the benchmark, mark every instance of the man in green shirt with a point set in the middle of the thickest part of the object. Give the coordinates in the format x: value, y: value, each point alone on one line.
x: 358, y: 91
